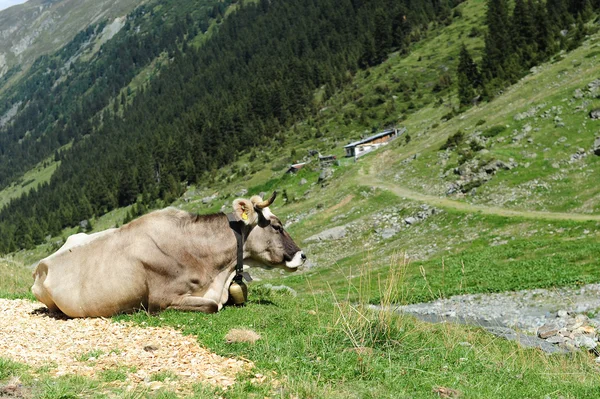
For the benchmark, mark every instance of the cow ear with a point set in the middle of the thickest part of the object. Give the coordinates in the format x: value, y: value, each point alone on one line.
x: 244, y: 211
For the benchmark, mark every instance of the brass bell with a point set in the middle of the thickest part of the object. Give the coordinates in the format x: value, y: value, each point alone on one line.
x: 238, y: 291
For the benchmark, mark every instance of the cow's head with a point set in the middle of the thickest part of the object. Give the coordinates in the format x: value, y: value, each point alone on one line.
x: 268, y: 245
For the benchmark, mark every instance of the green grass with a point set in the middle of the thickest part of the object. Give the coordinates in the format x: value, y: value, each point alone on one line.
x: 323, y: 346
x: 15, y: 279
x: 31, y: 179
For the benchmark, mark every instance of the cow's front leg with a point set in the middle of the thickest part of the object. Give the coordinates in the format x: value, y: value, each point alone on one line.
x: 195, y: 304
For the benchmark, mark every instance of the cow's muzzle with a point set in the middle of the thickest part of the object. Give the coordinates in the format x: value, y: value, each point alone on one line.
x: 297, y: 261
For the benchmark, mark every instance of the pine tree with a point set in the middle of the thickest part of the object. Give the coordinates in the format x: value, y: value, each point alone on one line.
x: 544, y: 37
x: 523, y: 32
x: 469, y: 78
x: 558, y: 14
x: 497, y: 40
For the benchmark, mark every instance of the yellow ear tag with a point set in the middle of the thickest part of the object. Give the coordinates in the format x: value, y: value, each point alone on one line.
x: 244, y: 215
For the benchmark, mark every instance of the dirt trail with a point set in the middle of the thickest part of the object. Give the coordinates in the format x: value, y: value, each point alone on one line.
x: 372, y: 180
x: 93, y: 346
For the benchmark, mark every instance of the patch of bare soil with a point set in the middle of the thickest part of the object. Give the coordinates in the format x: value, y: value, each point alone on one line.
x: 343, y: 202
x: 89, y: 347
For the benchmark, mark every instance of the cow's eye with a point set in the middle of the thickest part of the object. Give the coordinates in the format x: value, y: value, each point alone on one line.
x: 277, y: 227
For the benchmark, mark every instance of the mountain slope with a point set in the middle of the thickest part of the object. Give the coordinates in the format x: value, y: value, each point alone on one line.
x: 40, y: 27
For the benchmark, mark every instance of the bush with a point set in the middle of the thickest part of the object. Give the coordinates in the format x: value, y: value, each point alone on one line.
x: 493, y: 131
x: 480, y: 122
x: 471, y: 185
x: 448, y: 116
x: 453, y: 141
x: 465, y: 155
x: 476, y: 145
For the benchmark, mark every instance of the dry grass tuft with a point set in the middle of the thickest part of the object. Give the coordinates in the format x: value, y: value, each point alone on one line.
x: 444, y: 392
x: 236, y: 335
x: 361, y: 350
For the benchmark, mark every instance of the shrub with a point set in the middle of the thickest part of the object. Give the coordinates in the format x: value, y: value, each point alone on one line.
x: 471, y: 185
x: 476, y: 145
x: 453, y: 141
x: 448, y: 116
x: 493, y: 131
x: 465, y: 155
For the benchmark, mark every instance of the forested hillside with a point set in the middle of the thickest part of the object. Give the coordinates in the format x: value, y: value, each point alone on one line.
x: 237, y: 91
x: 62, y: 93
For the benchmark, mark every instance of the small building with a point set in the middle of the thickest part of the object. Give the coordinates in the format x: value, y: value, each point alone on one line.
x: 296, y: 167
x: 364, y: 146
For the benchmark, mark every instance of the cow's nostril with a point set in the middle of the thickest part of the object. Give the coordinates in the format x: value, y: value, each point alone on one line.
x: 303, y: 256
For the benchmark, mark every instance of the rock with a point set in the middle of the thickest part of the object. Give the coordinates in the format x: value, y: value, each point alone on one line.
x: 547, y: 330
x: 574, y: 326
x: 208, y: 200
x: 562, y: 313
x: 595, y: 113
x: 155, y: 385
x: 242, y: 192
x: 594, y: 84
x: 583, y: 341
x: 578, y: 94
x: 556, y: 339
x: 410, y: 220
x: 303, y: 181
x: 325, y: 174
x: 281, y: 288
x: 334, y: 233
x: 525, y: 340
x: 84, y: 224
x: 596, y: 147
x: 494, y: 166
x: 308, y: 264
x: 388, y: 233
x: 586, y: 330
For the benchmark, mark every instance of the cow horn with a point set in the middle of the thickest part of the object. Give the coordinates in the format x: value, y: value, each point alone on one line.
x: 264, y: 204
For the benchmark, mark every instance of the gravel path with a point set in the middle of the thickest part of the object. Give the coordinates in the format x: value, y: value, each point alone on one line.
x: 370, y: 179
x: 88, y: 347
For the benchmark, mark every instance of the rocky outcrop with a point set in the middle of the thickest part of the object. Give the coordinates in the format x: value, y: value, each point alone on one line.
x: 473, y: 174
x: 335, y: 233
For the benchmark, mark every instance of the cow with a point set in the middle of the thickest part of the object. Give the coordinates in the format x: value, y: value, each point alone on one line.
x: 167, y: 259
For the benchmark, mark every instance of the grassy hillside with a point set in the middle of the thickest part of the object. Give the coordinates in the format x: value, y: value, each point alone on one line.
x: 526, y: 227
